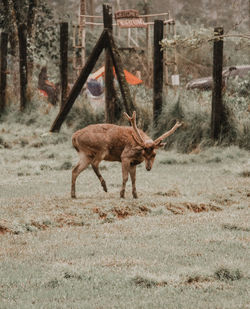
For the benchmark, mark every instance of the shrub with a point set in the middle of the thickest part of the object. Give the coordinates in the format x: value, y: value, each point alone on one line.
x: 224, y: 274
x: 196, y: 125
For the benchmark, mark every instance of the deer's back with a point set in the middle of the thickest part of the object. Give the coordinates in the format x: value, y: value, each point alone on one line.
x: 104, y: 137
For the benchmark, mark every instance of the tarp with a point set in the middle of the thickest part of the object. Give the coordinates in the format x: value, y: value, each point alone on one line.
x: 130, y: 78
x: 43, y: 93
x: 95, y: 87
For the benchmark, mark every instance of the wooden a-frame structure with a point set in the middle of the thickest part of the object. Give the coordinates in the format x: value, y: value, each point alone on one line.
x: 105, y: 42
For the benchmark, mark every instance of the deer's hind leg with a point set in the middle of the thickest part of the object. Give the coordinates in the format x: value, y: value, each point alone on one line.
x: 95, y: 165
x: 81, y: 166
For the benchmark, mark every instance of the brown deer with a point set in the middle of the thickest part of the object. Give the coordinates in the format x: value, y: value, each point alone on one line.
x: 110, y: 142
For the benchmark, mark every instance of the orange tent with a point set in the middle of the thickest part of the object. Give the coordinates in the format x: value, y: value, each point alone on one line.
x: 130, y: 78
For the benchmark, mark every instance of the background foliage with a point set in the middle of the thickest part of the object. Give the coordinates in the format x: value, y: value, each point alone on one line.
x: 194, y: 27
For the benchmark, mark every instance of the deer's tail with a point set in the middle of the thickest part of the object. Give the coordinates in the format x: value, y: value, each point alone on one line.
x: 75, y: 144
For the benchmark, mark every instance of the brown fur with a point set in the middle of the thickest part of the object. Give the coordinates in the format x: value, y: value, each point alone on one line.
x: 110, y: 142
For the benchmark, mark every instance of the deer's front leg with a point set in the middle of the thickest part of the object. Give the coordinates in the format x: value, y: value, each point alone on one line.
x: 125, y: 171
x: 132, y: 172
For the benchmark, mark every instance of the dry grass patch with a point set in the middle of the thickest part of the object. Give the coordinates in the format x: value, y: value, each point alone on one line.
x: 182, y: 208
x: 4, y: 230
x: 226, y: 274
x: 100, y: 251
x: 245, y: 174
x: 122, y: 212
x: 147, y: 282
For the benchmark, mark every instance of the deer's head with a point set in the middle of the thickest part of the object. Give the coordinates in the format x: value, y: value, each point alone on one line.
x: 148, y: 147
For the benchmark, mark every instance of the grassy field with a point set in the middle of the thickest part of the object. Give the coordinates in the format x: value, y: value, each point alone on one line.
x: 183, y: 244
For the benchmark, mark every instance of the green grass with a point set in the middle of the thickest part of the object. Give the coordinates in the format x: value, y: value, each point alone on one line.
x: 183, y: 244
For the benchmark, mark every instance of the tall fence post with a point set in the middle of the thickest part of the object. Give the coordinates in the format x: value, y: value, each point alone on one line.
x: 217, y: 104
x: 110, y: 95
x: 82, y: 31
x: 158, y: 70
x: 64, y: 61
x: 22, y: 37
x: 3, y: 70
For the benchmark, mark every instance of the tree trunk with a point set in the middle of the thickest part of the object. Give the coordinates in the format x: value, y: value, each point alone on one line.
x: 22, y: 38
x: 3, y: 69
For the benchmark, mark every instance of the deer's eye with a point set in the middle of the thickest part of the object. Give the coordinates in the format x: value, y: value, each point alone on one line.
x: 148, y: 150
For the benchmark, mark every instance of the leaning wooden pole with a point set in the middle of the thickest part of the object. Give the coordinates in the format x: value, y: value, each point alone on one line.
x: 217, y: 104
x: 158, y: 70
x: 64, y: 60
x: 116, y: 58
x: 110, y: 95
x: 90, y: 63
x: 22, y: 38
x: 3, y: 71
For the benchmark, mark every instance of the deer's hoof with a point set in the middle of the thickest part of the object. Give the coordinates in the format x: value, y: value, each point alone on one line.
x: 122, y: 194
x: 73, y: 195
x: 135, y: 195
x: 104, y: 186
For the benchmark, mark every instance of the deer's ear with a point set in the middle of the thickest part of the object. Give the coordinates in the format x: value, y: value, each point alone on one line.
x: 160, y: 145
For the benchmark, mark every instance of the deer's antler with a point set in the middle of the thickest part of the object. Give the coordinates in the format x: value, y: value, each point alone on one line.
x: 168, y: 133
x: 137, y: 137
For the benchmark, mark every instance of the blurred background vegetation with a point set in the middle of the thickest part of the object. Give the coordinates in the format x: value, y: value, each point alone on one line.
x: 191, y: 106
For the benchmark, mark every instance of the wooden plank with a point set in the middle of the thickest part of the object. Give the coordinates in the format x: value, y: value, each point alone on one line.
x: 158, y: 70
x: 3, y: 70
x: 64, y: 60
x: 90, y: 63
x: 217, y: 104
x: 131, y: 23
x: 127, y: 14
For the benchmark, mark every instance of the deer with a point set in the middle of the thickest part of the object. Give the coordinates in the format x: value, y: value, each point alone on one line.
x: 109, y: 142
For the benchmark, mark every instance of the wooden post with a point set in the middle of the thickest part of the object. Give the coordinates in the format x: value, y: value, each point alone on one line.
x: 165, y: 59
x: 129, y: 37
x: 116, y: 58
x: 110, y: 95
x: 3, y: 70
x: 158, y: 70
x: 74, y: 58
x: 82, y: 30
x: 91, y: 4
x: 89, y: 65
x: 64, y: 61
x: 146, y: 12
x: 175, y: 61
x: 217, y: 104
x: 22, y: 37
x: 107, y: 17
x: 118, y: 31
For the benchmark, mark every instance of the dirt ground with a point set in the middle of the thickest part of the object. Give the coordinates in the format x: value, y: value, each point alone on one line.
x: 184, y: 243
